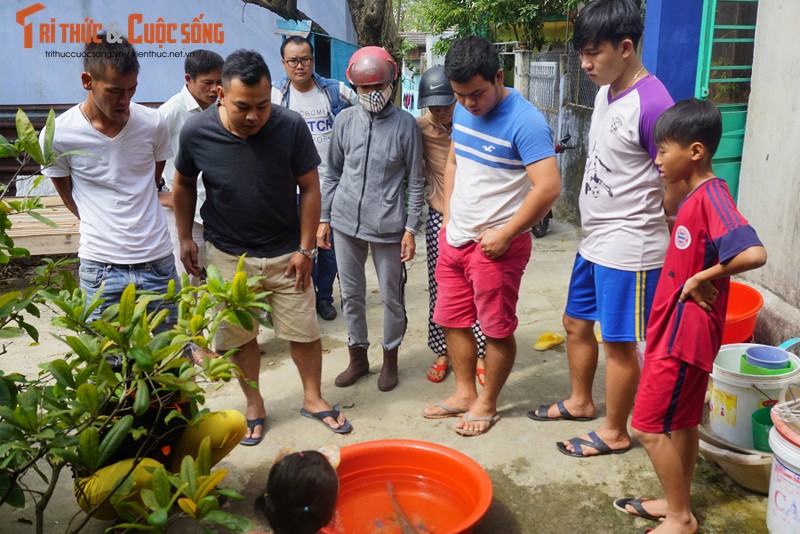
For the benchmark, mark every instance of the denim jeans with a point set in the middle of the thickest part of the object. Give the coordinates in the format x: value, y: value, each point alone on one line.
x: 323, y: 273
x: 150, y: 276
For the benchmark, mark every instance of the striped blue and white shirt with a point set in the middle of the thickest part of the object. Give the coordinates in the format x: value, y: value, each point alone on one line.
x: 492, y: 152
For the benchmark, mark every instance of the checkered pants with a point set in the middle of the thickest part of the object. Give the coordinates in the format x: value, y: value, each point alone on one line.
x: 436, y: 339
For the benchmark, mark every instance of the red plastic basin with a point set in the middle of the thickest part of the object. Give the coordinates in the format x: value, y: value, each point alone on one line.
x: 437, y: 488
x: 744, y: 303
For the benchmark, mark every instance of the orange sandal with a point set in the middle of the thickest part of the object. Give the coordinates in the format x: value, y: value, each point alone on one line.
x: 481, y: 374
x: 480, y: 371
x: 435, y: 370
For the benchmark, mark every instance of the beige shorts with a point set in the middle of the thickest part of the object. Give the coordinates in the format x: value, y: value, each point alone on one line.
x: 294, y: 312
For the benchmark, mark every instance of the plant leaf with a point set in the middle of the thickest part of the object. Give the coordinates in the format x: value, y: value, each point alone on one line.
x: 62, y: 373
x: 88, y: 447
x: 142, y: 400
x: 89, y: 398
x: 49, y: 130
x: 26, y: 135
x: 78, y: 347
x: 189, y: 476
x: 16, y: 497
x: 188, y: 506
x: 25, y: 417
x: 9, y: 297
x: 9, y: 332
x: 42, y: 219
x: 229, y: 521
x: 161, y: 486
x: 109, y: 331
x: 114, y: 438
x: 158, y: 518
x: 7, y: 149
x: 203, y: 460
x: 149, y: 499
x: 207, y: 505
x: 209, y: 483
x: 127, y: 303
x: 142, y: 359
x: 8, y: 393
x: 244, y: 319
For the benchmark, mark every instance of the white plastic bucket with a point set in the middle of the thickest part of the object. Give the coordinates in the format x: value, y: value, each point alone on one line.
x: 783, y: 508
x: 735, y: 396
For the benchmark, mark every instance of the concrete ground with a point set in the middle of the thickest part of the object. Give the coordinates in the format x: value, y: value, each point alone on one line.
x: 536, y: 488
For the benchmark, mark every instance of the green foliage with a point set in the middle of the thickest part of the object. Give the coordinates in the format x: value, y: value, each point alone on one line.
x: 524, y: 18
x: 78, y: 409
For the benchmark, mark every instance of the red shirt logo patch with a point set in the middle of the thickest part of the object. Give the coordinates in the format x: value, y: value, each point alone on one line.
x: 682, y: 238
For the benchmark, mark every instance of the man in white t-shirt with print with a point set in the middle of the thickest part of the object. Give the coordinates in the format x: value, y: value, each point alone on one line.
x: 203, y: 73
x: 111, y: 184
x: 624, y: 206
x: 318, y: 100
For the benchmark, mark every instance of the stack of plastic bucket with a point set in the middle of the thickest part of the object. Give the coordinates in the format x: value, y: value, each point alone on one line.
x: 737, y: 392
x: 783, y: 508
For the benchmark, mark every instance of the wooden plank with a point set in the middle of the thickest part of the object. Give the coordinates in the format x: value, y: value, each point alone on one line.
x: 42, y: 240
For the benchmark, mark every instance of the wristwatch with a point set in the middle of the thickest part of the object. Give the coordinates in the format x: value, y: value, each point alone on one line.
x: 310, y: 254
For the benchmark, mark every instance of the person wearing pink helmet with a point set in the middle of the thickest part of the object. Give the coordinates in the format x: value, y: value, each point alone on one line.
x: 374, y: 162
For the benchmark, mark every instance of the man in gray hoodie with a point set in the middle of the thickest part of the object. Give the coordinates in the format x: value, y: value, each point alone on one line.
x: 375, y: 156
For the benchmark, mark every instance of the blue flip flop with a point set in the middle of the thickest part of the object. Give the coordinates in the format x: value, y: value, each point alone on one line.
x: 598, y: 444
x: 320, y: 416
x: 564, y: 415
x: 252, y: 424
x: 638, y: 508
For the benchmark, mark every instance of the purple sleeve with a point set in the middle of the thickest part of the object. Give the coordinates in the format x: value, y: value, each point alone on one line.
x: 728, y: 230
x: 736, y: 241
x: 653, y: 100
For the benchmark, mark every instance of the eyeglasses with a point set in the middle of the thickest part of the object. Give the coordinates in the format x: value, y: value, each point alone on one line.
x: 304, y: 61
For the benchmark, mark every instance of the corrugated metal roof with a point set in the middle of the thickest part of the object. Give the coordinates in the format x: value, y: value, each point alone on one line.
x: 415, y: 38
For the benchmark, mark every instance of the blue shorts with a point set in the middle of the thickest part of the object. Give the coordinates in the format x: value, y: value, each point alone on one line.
x: 619, y: 300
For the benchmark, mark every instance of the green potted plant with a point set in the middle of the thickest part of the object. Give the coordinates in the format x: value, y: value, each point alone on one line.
x: 80, y: 407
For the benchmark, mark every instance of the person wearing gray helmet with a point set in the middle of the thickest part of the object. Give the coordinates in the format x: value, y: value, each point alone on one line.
x: 436, y: 94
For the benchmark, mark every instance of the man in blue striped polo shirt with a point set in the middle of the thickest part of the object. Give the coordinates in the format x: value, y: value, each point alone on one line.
x: 501, y: 178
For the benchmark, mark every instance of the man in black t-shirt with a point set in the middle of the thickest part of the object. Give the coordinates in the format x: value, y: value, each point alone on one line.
x: 254, y: 158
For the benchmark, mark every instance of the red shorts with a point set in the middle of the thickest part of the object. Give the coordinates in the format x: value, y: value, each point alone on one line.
x: 671, y: 396
x: 473, y: 287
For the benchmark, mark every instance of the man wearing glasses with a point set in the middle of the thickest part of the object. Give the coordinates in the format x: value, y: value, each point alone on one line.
x: 318, y: 100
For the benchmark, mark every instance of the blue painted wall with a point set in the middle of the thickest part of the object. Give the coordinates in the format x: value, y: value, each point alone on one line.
x: 340, y: 56
x: 670, y: 44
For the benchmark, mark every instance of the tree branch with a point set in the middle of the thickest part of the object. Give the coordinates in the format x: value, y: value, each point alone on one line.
x: 368, y: 19
x: 288, y: 10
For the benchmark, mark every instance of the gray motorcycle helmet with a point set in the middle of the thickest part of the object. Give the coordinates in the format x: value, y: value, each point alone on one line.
x: 435, y: 89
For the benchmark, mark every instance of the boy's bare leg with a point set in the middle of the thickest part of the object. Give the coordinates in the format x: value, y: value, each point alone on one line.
x: 582, y: 354
x: 463, y: 353
x: 622, y: 379
x: 500, y: 356
x: 673, y: 459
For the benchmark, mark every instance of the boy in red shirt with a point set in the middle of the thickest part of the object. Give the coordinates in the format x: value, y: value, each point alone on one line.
x: 710, y: 242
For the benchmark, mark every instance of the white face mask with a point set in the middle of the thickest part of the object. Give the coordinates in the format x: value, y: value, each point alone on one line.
x: 375, y: 101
